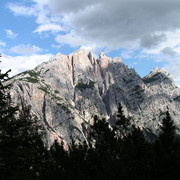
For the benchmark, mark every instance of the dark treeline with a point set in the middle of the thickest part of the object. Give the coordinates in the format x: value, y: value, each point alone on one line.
x: 117, y: 152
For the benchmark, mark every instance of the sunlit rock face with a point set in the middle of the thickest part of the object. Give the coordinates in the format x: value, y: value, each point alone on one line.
x: 66, y: 92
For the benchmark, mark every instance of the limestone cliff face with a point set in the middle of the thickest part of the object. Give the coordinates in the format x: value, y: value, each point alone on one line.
x: 66, y: 92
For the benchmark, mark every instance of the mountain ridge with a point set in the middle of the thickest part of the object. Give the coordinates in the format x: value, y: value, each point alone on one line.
x: 66, y: 92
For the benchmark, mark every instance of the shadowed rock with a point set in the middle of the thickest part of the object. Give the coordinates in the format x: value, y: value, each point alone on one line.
x: 66, y: 92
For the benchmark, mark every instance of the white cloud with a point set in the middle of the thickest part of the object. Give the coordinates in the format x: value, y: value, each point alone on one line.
x: 10, y: 34
x: 112, y: 24
x: 49, y: 27
x: 19, y: 64
x: 2, y: 43
x: 89, y: 48
x: 71, y: 39
x: 69, y: 6
x: 127, y: 54
x: 37, y: 10
x: 116, y: 23
x: 18, y: 9
x: 152, y: 40
x: 152, y: 26
x: 56, y: 46
x: 170, y: 47
x: 173, y: 68
x: 77, y: 41
x: 40, y: 10
x: 169, y: 51
x: 25, y: 49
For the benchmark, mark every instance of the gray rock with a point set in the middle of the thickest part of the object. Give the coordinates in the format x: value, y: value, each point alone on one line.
x: 66, y: 92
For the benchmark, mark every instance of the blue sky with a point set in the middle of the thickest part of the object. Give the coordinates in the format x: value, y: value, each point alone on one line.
x: 145, y: 34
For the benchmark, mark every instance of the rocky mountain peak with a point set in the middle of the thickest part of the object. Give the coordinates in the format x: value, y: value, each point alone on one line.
x: 159, y: 76
x: 66, y: 92
x: 101, y: 55
x: 117, y: 59
x: 161, y: 70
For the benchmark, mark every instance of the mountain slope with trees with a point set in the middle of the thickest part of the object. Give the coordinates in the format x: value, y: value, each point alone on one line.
x: 117, y: 152
x: 68, y: 91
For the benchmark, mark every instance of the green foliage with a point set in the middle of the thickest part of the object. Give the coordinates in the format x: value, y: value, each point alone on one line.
x: 31, y: 80
x: 82, y: 85
x: 64, y: 107
x: 33, y: 77
x: 31, y: 73
x: 56, y: 91
x: 45, y: 89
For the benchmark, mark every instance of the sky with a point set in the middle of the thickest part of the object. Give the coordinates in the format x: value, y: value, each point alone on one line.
x: 144, y: 33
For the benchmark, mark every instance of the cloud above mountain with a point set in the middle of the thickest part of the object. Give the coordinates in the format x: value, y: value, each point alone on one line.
x: 113, y: 24
x: 119, y: 23
x: 22, y: 63
x: 25, y: 49
x: 146, y: 27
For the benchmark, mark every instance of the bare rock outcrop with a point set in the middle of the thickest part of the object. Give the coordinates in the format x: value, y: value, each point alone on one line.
x: 66, y: 92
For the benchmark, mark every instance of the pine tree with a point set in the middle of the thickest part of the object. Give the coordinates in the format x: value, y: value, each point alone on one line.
x: 102, y: 154
x: 122, y: 123
x: 22, y: 152
x: 165, y: 148
x: 59, y: 160
x: 167, y: 134
x: 77, y: 162
x: 7, y: 112
x: 135, y: 155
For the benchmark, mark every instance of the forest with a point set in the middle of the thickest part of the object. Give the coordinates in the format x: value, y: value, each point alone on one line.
x: 117, y: 152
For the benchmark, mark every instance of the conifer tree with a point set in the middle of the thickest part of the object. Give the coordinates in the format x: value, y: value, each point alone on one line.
x: 167, y: 133
x: 122, y: 123
x: 102, y: 152
x: 77, y: 162
x: 59, y: 160
x: 165, y: 148
x: 22, y: 152
x: 7, y: 112
x: 136, y: 154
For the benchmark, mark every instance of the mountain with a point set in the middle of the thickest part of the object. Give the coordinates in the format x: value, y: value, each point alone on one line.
x: 66, y: 92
